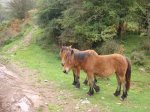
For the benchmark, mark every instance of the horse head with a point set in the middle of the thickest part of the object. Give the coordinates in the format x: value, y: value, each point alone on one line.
x: 68, y: 61
x: 63, y: 51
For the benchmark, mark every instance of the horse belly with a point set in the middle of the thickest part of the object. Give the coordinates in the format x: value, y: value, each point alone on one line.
x: 105, y: 72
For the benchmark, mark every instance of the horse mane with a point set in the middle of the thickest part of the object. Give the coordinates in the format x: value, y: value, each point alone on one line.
x: 80, y: 56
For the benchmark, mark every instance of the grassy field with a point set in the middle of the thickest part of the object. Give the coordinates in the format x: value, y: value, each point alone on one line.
x: 47, y: 63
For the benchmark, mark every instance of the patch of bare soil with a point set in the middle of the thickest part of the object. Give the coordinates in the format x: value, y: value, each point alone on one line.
x: 21, y: 91
x: 15, y: 94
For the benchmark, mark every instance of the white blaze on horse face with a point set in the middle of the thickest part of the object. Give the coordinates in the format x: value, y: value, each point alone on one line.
x: 67, y: 69
x: 62, y: 62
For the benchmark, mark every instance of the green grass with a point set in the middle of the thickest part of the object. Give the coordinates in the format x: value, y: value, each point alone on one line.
x: 48, y: 65
x: 54, y: 108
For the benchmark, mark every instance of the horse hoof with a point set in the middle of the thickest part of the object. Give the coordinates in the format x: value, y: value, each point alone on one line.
x: 85, y: 82
x: 89, y: 94
x: 122, y: 98
x: 74, y: 83
x: 97, y: 89
x: 77, y: 85
x: 117, y: 93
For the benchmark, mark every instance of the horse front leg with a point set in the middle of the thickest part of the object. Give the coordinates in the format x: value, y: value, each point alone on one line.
x: 77, y: 77
x: 85, y: 81
x: 74, y: 78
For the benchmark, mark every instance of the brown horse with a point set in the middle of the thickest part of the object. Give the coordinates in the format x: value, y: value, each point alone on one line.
x: 76, y: 69
x: 103, y: 66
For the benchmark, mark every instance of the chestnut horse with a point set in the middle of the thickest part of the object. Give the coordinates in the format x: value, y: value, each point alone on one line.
x: 103, y: 66
x: 76, y: 69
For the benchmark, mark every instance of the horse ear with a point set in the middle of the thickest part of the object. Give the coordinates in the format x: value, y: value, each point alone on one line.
x: 72, y: 52
x: 70, y: 46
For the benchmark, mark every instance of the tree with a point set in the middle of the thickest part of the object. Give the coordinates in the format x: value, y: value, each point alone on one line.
x: 142, y: 11
x: 19, y: 8
x: 49, y: 13
x: 87, y: 23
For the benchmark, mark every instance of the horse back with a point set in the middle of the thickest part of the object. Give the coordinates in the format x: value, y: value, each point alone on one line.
x: 106, y: 64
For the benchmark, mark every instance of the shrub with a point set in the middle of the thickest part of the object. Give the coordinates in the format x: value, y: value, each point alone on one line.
x: 110, y: 47
x: 137, y: 58
x: 145, y: 45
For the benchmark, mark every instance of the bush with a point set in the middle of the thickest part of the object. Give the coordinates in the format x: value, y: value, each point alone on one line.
x: 110, y: 47
x: 138, y: 58
x: 145, y: 45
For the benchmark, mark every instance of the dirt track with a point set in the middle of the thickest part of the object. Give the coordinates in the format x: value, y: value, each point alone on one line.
x: 15, y: 94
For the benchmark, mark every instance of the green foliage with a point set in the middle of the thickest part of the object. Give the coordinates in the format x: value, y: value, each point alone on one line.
x: 108, y: 33
x: 138, y: 58
x: 110, y: 47
x: 88, y: 22
x: 49, y: 12
x: 145, y: 45
x: 84, y: 23
x: 142, y: 13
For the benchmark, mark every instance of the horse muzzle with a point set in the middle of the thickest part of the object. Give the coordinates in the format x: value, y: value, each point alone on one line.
x: 65, y: 72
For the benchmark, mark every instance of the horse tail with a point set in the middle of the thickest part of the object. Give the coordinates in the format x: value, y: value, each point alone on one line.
x: 128, y: 75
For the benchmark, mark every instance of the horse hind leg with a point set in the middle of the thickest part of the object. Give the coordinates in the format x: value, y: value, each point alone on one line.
x: 118, y: 90
x: 97, y: 89
x: 124, y: 95
x: 123, y: 82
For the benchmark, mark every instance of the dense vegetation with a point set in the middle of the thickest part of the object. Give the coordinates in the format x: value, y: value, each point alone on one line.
x: 87, y: 24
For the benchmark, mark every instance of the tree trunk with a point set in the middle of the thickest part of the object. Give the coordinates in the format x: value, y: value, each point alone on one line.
x: 119, y: 29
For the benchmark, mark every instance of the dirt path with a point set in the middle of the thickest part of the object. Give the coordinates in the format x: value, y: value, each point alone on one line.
x: 18, y: 93
x: 24, y: 42
x: 15, y: 94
